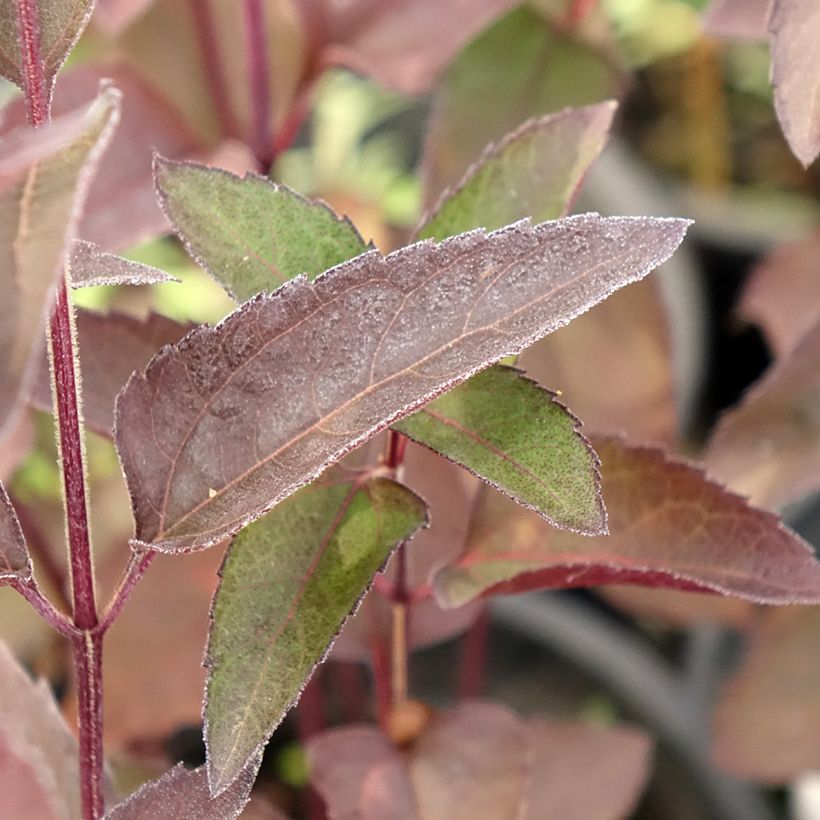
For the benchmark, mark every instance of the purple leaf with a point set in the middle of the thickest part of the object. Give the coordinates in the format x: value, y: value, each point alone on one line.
x: 15, y: 562
x: 669, y: 526
x: 44, y: 177
x: 183, y: 794
x: 738, y: 19
x: 292, y: 381
x: 89, y: 266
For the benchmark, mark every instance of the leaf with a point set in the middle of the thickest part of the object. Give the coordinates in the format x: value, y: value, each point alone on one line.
x: 765, y: 721
x: 782, y: 295
x: 251, y: 234
x: 41, y: 199
x: 292, y: 381
x: 15, y: 562
x: 514, y: 435
x: 481, y: 762
x: 112, y: 346
x: 738, y: 19
x: 36, y: 749
x: 768, y: 447
x: 183, y: 794
x: 288, y: 584
x: 532, y: 172
x: 519, y: 68
x: 89, y: 266
x: 113, y: 16
x: 60, y: 23
x: 669, y: 526
x: 794, y: 28
x: 393, y: 41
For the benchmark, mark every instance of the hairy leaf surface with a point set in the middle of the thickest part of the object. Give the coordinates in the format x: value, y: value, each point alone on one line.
x: 794, y: 27
x: 292, y: 381
x: 481, y: 762
x: 738, y: 19
x: 89, y: 266
x: 60, y: 24
x: 44, y: 177
x: 668, y: 526
x: 251, y: 234
x: 38, y: 753
x: 14, y: 558
x: 517, y: 437
x: 288, y: 584
x: 183, y: 794
x: 768, y: 447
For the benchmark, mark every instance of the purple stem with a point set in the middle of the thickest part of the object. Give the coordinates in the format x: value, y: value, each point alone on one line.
x: 257, y: 49
x: 139, y: 563
x: 44, y: 608
x: 33, y: 72
x: 87, y: 648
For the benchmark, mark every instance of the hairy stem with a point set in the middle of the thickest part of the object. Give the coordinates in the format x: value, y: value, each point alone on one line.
x: 258, y: 82
x: 34, y: 77
x: 137, y: 566
x: 44, y: 608
x: 87, y: 650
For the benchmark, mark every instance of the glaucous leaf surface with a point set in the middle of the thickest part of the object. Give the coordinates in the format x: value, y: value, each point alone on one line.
x: 112, y: 346
x: 669, y: 525
x: 738, y: 19
x: 768, y: 447
x: 519, y: 68
x: 60, y: 24
x: 38, y: 753
x: 402, y: 44
x: 251, y: 234
x: 14, y: 557
x: 89, y: 266
x: 183, y: 794
x: 481, y: 762
x: 782, y: 295
x: 517, y: 437
x: 533, y: 172
x: 765, y: 719
x: 794, y: 28
x: 289, y: 582
x: 44, y: 177
x: 292, y: 381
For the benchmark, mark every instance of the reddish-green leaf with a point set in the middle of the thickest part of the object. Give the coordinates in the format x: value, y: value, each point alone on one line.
x: 669, y: 526
x: 769, y: 446
x: 292, y: 381
x: 15, y: 562
x: 89, y: 266
x: 288, y: 584
x: 44, y: 177
x: 766, y: 717
x: 183, y: 794
x: 59, y: 25
x: 480, y: 762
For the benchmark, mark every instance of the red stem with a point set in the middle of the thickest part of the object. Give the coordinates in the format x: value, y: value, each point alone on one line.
x: 44, y: 608
x: 87, y: 648
x: 137, y: 566
x: 33, y: 72
x: 474, y: 657
x: 212, y: 64
x: 258, y: 82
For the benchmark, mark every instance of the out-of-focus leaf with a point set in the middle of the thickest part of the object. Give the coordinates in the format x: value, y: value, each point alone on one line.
x: 783, y: 293
x: 251, y: 234
x: 115, y: 15
x: 112, y: 346
x: 738, y: 19
x: 514, y: 434
x: 768, y: 447
x: 60, y: 23
x: 519, y: 68
x: 450, y: 493
x: 292, y: 381
x: 612, y: 366
x: 16, y: 446
x: 41, y: 199
x: 532, y: 172
x: 89, y: 266
x: 669, y: 526
x: 480, y: 762
x: 402, y: 44
x: 38, y: 753
x: 766, y: 718
x: 288, y: 584
x: 183, y: 794
x: 14, y: 558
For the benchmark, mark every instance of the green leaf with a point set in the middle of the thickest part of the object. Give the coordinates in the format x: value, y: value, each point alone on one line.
x: 249, y: 233
x: 515, y: 436
x: 288, y: 584
x: 532, y: 172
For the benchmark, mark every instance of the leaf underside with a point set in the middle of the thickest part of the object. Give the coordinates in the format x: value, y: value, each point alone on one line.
x: 89, y: 266
x: 15, y: 562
